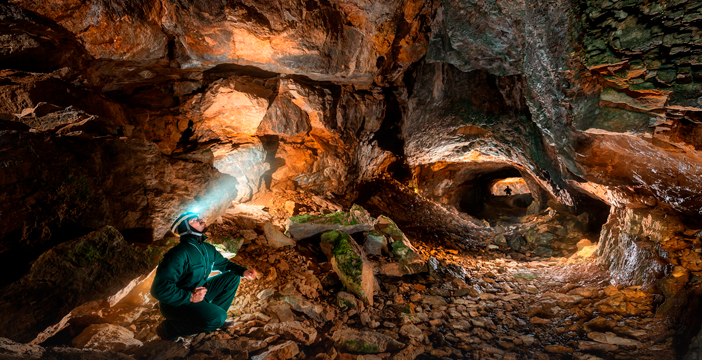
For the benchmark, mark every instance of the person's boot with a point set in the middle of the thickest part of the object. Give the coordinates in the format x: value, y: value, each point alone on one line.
x: 227, y: 324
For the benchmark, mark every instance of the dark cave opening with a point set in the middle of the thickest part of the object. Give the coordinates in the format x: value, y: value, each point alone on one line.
x: 596, y: 209
x: 484, y: 196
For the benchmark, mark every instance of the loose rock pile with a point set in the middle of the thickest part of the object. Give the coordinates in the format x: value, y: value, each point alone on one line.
x: 306, y: 304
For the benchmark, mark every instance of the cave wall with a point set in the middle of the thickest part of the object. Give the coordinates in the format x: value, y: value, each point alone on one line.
x: 124, y: 112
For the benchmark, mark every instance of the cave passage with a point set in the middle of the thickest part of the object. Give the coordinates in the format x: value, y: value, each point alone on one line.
x: 499, y: 196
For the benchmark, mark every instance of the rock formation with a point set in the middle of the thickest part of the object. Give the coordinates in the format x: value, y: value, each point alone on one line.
x: 371, y: 133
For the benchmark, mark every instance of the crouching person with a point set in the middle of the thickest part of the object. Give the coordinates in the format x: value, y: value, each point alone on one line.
x: 191, y: 301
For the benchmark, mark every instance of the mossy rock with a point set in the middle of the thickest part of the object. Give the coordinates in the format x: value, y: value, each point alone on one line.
x: 304, y: 226
x: 350, y: 263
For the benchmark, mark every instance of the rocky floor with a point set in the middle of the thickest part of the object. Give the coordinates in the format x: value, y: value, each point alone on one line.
x: 506, y: 300
x: 470, y: 305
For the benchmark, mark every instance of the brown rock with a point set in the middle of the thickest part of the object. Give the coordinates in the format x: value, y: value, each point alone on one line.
x: 293, y: 330
x: 286, y: 350
x: 95, y: 266
x: 106, y: 337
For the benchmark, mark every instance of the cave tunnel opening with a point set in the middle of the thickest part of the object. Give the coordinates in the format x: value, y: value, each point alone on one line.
x: 596, y: 209
x: 501, y: 195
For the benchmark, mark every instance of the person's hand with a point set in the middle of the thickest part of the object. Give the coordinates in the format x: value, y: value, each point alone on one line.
x: 250, y: 274
x: 198, y: 294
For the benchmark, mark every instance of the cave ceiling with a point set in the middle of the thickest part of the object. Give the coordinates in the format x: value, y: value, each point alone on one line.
x: 138, y: 109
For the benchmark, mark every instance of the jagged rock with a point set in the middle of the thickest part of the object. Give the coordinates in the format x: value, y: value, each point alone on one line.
x: 282, y: 311
x: 246, y: 163
x: 60, y: 353
x: 286, y: 350
x: 92, y: 267
x: 106, y: 337
x: 675, y: 282
x: 364, y: 341
x: 626, y: 245
x: 350, y: 263
x: 276, y: 238
x: 314, y: 311
x: 375, y: 244
x: 400, y: 247
x: 610, y: 338
x: 231, y: 346
x: 304, y: 226
x: 346, y: 300
x: 12, y: 350
x: 412, y: 332
x: 293, y: 330
x: 161, y: 350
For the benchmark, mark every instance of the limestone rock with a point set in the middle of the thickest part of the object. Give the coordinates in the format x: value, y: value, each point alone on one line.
x: 246, y: 163
x: 624, y: 247
x: 675, y: 282
x: 275, y: 238
x: 89, y: 268
x: 15, y: 350
x: 350, y: 263
x: 346, y: 300
x: 231, y: 346
x: 610, y: 338
x: 304, y: 226
x: 106, y: 337
x: 161, y: 350
x: 313, y: 310
x: 400, y: 247
x: 281, y: 311
x: 293, y: 330
x: 284, y: 351
x: 375, y: 244
x: 367, y: 342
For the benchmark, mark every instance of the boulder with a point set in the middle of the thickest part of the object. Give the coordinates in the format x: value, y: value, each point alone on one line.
x: 375, y: 244
x: 304, y: 226
x: 350, y: 263
x: 346, y: 300
x: 368, y: 342
x: 92, y: 267
x: 12, y: 350
x: 106, y: 337
x: 275, y: 237
x: 673, y: 283
x: 400, y: 246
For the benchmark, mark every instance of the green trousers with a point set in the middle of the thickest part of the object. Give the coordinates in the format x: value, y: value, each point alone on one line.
x: 206, y: 315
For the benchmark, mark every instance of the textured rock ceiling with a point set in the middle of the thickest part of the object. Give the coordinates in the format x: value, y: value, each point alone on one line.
x: 124, y: 112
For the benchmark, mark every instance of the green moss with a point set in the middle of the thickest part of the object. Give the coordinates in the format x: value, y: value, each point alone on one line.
x: 400, y: 249
x: 361, y: 347
x: 349, y: 262
x: 85, y: 255
x: 391, y: 229
x: 302, y: 218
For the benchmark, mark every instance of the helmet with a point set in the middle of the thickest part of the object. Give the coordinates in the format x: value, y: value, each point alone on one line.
x: 181, y: 227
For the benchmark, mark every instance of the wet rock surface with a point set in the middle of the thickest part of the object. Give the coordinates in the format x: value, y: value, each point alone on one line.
x: 273, y: 119
x: 466, y: 303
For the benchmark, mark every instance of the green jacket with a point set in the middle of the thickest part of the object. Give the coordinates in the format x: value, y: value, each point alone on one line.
x: 187, y: 266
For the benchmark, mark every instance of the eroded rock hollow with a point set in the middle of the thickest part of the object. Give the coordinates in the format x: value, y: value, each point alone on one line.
x: 412, y: 179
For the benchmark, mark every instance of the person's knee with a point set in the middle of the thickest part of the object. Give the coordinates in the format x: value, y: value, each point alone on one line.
x: 216, y: 320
